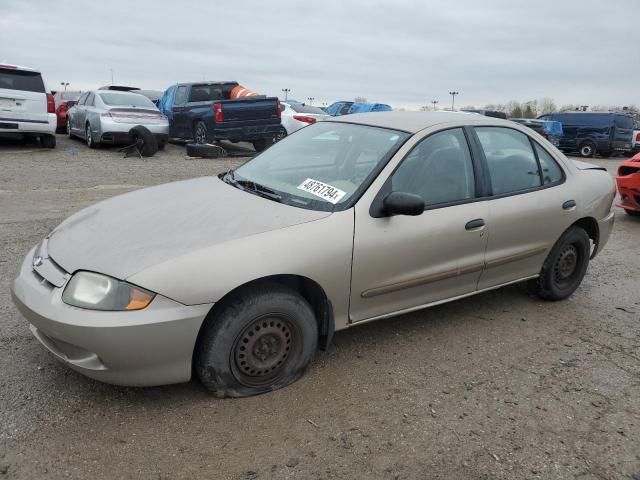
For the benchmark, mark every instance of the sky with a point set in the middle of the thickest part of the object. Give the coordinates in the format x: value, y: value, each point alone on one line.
x: 405, y: 53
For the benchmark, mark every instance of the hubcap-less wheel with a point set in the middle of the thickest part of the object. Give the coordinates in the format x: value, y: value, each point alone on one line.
x: 565, y: 265
x: 201, y: 134
x: 586, y: 150
x: 261, y: 350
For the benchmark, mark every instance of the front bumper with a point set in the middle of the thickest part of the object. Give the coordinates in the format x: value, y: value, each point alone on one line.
x: 629, y: 190
x: 148, y: 347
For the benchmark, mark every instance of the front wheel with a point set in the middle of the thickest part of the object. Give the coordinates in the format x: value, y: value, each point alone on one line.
x: 565, y: 267
x: 258, y: 342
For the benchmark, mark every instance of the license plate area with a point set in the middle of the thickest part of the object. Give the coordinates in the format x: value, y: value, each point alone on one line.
x: 7, y: 103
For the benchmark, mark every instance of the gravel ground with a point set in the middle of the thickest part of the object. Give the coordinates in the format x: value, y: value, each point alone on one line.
x: 496, y: 386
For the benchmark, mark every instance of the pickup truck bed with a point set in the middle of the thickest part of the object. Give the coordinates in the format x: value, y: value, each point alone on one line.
x: 203, y: 112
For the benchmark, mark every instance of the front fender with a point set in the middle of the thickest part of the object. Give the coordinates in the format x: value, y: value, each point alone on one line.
x: 320, y: 250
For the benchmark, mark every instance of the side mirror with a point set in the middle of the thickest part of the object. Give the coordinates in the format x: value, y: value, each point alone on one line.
x: 403, y: 203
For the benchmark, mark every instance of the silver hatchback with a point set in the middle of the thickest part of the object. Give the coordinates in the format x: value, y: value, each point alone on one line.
x: 241, y: 277
x: 105, y: 116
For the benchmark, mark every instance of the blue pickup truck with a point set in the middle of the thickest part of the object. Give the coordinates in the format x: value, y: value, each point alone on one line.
x: 205, y: 112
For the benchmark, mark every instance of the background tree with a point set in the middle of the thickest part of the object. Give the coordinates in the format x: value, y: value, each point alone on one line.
x: 546, y: 105
x: 514, y: 109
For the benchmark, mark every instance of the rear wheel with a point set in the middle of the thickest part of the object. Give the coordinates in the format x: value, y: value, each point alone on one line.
x: 565, y: 267
x: 48, y: 141
x: 281, y: 134
x: 587, y: 149
x: 262, y: 144
x: 258, y: 342
x: 91, y: 143
x: 200, y: 133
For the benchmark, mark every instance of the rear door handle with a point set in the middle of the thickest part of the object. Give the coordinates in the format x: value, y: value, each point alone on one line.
x: 569, y: 204
x: 474, y: 224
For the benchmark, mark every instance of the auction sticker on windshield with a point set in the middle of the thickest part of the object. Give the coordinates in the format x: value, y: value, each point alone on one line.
x: 322, y: 190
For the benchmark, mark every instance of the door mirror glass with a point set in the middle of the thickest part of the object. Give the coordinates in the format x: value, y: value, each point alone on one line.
x: 403, y: 203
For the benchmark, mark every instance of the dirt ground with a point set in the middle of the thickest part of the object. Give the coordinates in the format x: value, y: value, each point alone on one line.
x: 496, y: 386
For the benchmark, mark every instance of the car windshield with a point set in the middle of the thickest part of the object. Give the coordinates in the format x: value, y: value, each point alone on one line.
x: 320, y: 167
x: 126, y: 100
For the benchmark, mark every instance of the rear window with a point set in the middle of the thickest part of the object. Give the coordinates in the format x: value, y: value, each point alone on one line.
x: 70, y: 95
x: 302, y: 108
x: 126, y: 100
x: 206, y: 93
x: 21, y: 80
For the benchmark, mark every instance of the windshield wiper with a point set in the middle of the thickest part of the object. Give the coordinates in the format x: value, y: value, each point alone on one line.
x: 251, y: 186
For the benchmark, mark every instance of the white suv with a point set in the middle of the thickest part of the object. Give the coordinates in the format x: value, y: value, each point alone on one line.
x: 26, y: 109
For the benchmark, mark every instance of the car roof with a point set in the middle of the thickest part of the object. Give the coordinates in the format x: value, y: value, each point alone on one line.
x: 18, y: 67
x: 413, y: 122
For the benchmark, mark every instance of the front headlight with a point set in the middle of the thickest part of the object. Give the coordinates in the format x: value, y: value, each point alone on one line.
x: 99, y: 292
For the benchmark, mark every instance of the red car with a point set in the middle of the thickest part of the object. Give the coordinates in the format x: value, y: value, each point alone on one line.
x: 628, y: 180
x: 62, y: 100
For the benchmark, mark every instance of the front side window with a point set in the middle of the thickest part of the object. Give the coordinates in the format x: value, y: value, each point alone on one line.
x: 181, y: 95
x: 510, y: 158
x: 551, y: 171
x: 82, y: 99
x: 439, y: 169
x: 90, y: 100
x: 321, y: 167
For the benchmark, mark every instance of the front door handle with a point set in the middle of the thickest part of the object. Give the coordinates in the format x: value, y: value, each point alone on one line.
x: 475, y: 224
x: 569, y: 204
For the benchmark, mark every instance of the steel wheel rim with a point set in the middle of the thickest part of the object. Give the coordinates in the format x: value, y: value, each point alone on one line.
x: 565, y: 268
x: 260, y: 354
x: 586, y: 151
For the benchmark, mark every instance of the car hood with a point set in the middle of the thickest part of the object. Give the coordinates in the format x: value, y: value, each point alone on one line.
x: 129, y: 233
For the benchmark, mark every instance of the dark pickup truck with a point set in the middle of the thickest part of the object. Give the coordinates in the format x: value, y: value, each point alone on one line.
x: 205, y: 112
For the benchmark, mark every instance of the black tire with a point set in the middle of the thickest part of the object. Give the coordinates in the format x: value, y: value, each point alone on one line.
x: 633, y: 213
x: 587, y: 149
x: 200, y: 133
x: 262, y: 144
x: 258, y: 342
x: 88, y: 137
x: 48, y: 141
x: 146, y: 141
x: 204, y: 151
x: 281, y: 134
x: 565, y: 267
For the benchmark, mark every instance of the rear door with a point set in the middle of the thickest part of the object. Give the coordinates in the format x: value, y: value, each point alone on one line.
x: 76, y: 113
x: 530, y: 204
x: 23, y: 96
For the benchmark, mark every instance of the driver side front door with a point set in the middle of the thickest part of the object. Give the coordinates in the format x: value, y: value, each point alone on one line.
x: 402, y: 262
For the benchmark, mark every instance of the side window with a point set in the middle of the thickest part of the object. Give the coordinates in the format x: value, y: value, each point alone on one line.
x: 439, y: 169
x: 90, y: 102
x: 551, y: 171
x: 82, y: 98
x: 512, y: 164
x: 181, y: 95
